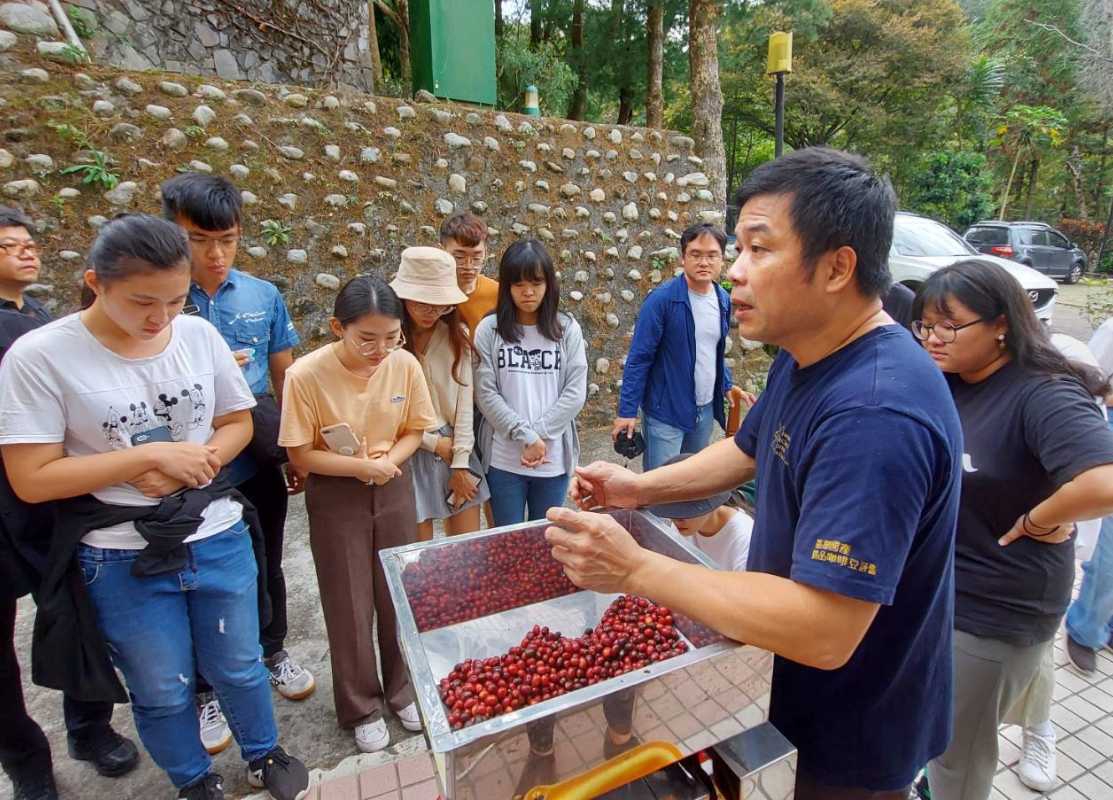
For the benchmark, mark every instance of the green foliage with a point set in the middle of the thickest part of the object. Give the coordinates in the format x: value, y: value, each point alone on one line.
x: 83, y: 22
x: 95, y: 172
x: 951, y: 186
x: 58, y: 203
x: 74, y: 54
x: 519, y: 66
x: 71, y: 134
x: 194, y: 131
x: 276, y: 233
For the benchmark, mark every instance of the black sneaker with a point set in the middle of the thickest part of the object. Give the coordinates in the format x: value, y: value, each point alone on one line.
x: 33, y: 780
x: 110, y: 753
x: 281, y: 774
x: 610, y: 749
x: 211, y: 787
x: 921, y: 790
x: 1083, y: 658
x: 537, y: 771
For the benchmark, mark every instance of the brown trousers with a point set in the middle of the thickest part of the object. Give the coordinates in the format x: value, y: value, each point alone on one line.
x: 349, y: 523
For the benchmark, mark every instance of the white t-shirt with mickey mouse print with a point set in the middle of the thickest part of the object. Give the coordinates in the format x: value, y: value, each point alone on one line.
x: 60, y: 384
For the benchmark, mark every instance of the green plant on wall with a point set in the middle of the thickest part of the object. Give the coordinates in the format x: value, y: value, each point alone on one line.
x: 71, y: 134
x: 84, y: 24
x: 58, y: 203
x: 74, y: 54
x: 276, y: 233
x: 95, y: 172
x: 194, y: 131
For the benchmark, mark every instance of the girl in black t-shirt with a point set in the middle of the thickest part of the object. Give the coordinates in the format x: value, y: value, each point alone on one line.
x: 1037, y: 457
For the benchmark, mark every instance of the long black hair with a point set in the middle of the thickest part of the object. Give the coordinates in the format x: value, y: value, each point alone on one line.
x: 991, y: 292
x: 366, y: 294
x: 527, y: 260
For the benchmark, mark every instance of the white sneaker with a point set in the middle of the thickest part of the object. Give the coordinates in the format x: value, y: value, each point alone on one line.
x: 409, y: 718
x: 215, y: 733
x: 293, y: 681
x: 1038, y: 761
x: 372, y: 736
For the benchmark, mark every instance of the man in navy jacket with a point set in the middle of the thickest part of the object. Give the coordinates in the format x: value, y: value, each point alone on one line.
x: 675, y: 372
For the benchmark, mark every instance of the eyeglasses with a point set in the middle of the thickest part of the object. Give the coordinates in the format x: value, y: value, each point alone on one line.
x: 16, y: 246
x: 224, y: 243
x: 429, y: 308
x: 387, y: 344
x: 470, y: 261
x: 696, y: 258
x: 944, y: 331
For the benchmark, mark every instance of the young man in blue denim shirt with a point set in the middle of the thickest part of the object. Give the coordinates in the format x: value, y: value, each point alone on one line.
x: 252, y: 317
x: 675, y: 371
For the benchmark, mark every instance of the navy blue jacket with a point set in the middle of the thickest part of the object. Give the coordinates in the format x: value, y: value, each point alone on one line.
x: 660, y: 369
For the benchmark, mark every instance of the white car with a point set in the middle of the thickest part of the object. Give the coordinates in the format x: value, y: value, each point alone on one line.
x: 921, y: 246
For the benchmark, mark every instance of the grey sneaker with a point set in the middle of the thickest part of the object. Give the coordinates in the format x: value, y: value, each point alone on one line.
x: 293, y: 681
x: 215, y: 733
x: 1082, y: 657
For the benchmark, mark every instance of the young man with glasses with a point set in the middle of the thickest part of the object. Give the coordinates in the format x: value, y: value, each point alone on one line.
x: 675, y: 371
x: 252, y: 317
x: 464, y: 236
x: 24, y: 750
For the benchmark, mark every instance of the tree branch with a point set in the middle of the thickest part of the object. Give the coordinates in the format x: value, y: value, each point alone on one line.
x: 1053, y: 29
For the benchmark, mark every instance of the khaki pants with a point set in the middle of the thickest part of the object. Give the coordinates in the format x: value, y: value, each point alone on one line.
x: 349, y: 523
x: 1034, y: 706
x: 991, y: 677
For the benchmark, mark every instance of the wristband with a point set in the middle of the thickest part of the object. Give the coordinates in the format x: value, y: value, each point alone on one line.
x: 1026, y: 520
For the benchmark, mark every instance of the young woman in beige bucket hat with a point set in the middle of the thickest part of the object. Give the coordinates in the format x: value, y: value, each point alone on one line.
x: 448, y: 479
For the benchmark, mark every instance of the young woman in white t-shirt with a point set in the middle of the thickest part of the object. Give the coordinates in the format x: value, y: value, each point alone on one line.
x: 531, y: 383
x: 130, y: 402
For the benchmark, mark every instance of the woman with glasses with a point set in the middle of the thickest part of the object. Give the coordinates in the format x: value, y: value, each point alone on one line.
x: 353, y: 413
x: 447, y: 476
x: 1038, y: 456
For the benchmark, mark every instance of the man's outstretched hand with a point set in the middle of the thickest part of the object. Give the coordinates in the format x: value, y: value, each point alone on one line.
x: 597, y: 553
x: 602, y: 484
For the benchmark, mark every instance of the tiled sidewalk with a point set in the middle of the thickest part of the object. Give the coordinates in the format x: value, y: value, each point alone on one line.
x: 1083, y: 717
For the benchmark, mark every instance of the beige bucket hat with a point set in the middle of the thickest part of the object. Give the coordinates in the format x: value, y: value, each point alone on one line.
x: 428, y: 275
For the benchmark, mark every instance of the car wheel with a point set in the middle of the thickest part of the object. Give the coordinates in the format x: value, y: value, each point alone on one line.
x: 1075, y: 274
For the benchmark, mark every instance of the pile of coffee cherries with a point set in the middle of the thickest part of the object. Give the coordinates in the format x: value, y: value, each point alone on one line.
x: 632, y: 633
x: 484, y: 576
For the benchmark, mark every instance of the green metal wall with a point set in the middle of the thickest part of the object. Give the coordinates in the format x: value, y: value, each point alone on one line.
x: 453, y: 49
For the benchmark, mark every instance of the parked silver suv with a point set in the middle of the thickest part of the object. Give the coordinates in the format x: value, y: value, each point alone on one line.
x: 1034, y: 244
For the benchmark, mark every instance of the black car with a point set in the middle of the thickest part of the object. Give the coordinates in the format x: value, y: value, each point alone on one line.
x: 1034, y: 244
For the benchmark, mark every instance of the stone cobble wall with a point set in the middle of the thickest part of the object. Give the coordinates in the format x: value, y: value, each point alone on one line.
x: 338, y: 184
x: 218, y: 38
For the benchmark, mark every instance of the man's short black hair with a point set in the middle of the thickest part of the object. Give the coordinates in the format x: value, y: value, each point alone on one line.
x: 837, y: 201
x: 210, y: 202
x: 702, y: 229
x: 14, y: 218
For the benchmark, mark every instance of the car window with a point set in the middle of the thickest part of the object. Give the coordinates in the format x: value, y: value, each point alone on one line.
x: 919, y: 236
x: 1056, y: 239
x: 987, y: 235
x: 1034, y: 236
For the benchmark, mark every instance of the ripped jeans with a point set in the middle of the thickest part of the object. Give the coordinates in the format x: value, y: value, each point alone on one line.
x: 154, y: 627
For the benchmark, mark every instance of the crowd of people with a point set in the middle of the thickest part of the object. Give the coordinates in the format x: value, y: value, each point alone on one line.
x: 918, y: 476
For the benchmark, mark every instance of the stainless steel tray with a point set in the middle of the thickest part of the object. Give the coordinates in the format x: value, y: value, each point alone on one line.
x: 716, y: 689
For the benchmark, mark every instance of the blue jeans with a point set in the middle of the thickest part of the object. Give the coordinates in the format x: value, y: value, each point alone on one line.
x: 517, y: 498
x: 663, y: 441
x: 155, y: 625
x: 1090, y: 616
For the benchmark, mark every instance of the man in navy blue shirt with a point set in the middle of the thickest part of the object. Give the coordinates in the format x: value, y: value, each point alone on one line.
x: 252, y: 317
x: 675, y: 372
x: 858, y: 447
x: 24, y: 749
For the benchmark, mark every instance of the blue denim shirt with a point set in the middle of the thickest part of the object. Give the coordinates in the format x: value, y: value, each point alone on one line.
x: 659, y: 376
x: 250, y: 314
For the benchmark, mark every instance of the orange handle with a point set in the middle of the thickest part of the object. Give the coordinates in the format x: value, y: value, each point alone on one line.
x: 645, y: 759
x: 734, y: 419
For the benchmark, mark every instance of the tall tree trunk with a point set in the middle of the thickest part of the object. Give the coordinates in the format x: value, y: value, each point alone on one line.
x: 578, y: 104
x: 655, y: 37
x: 398, y: 12
x: 1099, y: 190
x: 707, y: 94
x: 534, y: 24
x: 1074, y: 164
x: 1009, y: 185
x: 373, y: 46
x: 625, y: 105
x: 1030, y: 189
x: 499, y: 24
x: 1096, y: 267
x: 619, y: 38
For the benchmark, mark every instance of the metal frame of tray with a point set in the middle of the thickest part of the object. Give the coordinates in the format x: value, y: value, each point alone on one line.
x: 688, y: 702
